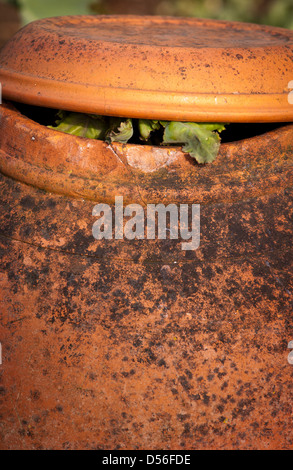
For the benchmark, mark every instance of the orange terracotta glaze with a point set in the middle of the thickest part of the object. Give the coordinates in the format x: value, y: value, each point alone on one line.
x: 137, y: 344
x: 152, y: 67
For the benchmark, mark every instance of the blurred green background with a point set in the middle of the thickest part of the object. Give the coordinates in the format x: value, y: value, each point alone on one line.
x: 273, y: 12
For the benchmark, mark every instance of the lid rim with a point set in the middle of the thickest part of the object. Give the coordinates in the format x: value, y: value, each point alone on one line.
x: 39, y: 68
x: 201, y: 107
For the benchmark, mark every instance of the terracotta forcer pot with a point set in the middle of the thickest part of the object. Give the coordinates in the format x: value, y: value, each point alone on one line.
x: 138, y: 344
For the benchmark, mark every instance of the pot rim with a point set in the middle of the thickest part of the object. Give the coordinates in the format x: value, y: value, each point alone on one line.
x: 92, y: 169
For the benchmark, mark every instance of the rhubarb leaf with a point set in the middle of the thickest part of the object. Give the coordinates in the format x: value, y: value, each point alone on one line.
x: 81, y: 125
x: 200, y: 140
x: 120, y: 130
x: 146, y: 126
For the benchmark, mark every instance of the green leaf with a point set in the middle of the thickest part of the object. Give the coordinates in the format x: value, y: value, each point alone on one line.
x: 82, y: 125
x: 146, y: 126
x: 200, y: 140
x: 120, y: 130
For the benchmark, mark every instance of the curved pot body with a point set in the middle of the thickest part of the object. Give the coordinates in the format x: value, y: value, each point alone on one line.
x: 140, y: 344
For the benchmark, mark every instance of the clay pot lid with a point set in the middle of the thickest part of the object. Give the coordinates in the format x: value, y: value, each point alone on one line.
x: 152, y: 67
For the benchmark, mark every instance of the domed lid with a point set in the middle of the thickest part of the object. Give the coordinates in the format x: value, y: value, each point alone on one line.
x: 182, y: 69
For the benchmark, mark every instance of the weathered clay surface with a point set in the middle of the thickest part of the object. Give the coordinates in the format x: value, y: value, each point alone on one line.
x: 188, y: 69
x: 91, y: 169
x: 118, y: 344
